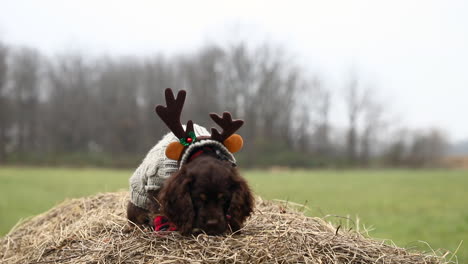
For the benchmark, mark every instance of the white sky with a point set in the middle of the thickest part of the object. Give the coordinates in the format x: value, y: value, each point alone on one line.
x: 414, y: 51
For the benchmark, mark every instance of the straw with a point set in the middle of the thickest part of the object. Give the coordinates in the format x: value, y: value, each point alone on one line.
x: 91, y: 230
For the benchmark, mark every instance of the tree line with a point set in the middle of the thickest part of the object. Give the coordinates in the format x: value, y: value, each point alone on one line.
x: 75, y: 109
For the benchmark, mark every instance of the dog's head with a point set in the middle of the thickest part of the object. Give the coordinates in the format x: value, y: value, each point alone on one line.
x: 206, y: 195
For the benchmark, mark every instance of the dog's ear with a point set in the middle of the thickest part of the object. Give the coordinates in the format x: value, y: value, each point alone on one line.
x: 242, y: 203
x: 176, y: 202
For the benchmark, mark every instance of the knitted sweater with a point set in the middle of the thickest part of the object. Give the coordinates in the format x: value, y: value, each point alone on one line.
x: 155, y: 169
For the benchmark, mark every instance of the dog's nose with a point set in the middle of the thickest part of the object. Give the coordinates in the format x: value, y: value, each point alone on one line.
x: 212, y: 222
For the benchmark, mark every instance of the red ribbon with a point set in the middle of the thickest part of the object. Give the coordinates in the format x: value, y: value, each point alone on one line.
x: 161, y: 223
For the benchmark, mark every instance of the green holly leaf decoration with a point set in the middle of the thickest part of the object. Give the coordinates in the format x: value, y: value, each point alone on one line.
x: 189, y: 140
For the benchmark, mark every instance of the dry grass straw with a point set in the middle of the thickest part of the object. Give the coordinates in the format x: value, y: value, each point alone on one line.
x: 90, y: 230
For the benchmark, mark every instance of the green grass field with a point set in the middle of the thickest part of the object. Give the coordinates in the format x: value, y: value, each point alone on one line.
x: 402, y: 205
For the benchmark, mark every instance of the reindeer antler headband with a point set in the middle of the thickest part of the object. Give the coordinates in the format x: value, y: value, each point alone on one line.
x: 170, y: 115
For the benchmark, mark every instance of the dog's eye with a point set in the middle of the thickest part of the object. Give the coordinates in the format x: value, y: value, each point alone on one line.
x: 203, y: 196
x: 220, y: 196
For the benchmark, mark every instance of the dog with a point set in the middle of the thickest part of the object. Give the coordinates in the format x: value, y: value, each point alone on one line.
x: 190, y: 176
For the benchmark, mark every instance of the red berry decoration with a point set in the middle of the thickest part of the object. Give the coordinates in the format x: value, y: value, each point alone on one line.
x: 189, y: 140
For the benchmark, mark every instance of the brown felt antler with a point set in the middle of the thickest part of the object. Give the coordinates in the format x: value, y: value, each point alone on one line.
x: 228, y: 125
x: 170, y: 115
x: 232, y: 141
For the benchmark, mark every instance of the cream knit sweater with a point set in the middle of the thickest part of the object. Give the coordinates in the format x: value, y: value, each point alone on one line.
x: 155, y: 169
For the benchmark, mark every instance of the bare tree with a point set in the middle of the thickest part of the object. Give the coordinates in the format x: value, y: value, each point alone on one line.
x: 261, y: 84
x: 356, y: 97
x: 201, y: 75
x: 70, y: 113
x: 320, y: 114
x: 118, y: 85
x: 396, y: 151
x: 373, y: 114
x: 4, y: 104
x: 428, y: 148
x: 158, y: 73
x: 25, y: 82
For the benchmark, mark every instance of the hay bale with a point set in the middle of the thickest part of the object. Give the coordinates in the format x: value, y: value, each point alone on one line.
x: 90, y: 230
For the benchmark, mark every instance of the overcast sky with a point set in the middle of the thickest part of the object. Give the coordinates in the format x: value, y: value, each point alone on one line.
x: 414, y: 52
